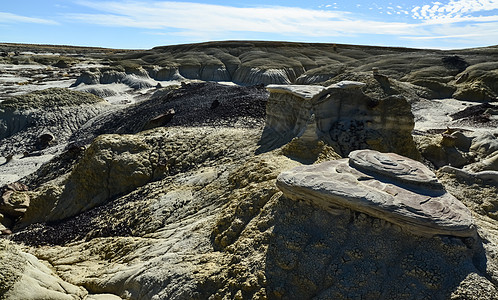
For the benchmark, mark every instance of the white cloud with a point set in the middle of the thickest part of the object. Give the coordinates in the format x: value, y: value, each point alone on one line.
x: 464, y: 36
x: 13, y: 18
x: 206, y: 19
x: 213, y: 22
x: 454, y: 9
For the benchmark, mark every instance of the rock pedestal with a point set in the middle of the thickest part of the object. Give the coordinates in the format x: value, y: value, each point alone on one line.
x: 342, y: 116
x: 383, y: 185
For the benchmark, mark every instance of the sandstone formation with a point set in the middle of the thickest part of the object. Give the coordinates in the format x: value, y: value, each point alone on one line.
x: 58, y: 112
x: 471, y: 151
x: 341, y: 115
x: 222, y: 229
x: 478, y: 83
x: 463, y: 74
x: 135, y: 81
x: 288, y: 114
x: 114, y: 165
x: 387, y: 186
x: 467, y: 76
x: 31, y: 279
x: 13, y: 201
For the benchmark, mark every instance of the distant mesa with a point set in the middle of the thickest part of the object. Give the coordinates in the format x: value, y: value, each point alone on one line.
x: 384, y: 185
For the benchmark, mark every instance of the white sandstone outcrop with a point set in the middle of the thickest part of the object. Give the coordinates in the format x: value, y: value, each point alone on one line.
x: 344, y: 117
x: 384, y: 185
x: 24, y: 277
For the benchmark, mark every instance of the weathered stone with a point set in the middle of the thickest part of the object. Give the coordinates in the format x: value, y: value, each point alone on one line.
x: 110, y: 166
x: 384, y: 185
x: 25, y: 277
x: 490, y: 163
x: 342, y: 115
x: 288, y: 114
x: 349, y: 120
x: 163, y: 240
x: 160, y: 120
x: 478, y: 82
x: 87, y: 78
x: 485, y: 149
x: 14, y: 200
x: 256, y: 75
x: 5, y: 224
x: 487, y: 177
x: 307, y: 92
x: 25, y: 119
x: 111, y: 76
x: 444, y: 149
x: 44, y: 141
x: 475, y: 91
x: 394, y: 167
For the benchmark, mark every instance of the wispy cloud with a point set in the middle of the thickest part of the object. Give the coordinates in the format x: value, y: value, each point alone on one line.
x: 438, y: 21
x: 207, y: 18
x: 466, y: 34
x: 468, y: 22
x: 455, y: 10
x: 13, y: 18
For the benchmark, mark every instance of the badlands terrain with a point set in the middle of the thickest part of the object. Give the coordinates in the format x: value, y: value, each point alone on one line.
x: 248, y: 170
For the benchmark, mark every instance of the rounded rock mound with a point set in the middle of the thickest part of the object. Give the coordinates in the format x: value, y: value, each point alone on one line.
x: 384, y: 185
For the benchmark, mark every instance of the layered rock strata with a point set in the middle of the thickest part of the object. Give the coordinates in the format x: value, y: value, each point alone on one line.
x: 243, y: 75
x: 57, y: 113
x: 384, y: 185
x: 137, y: 81
x: 342, y: 116
x: 288, y: 114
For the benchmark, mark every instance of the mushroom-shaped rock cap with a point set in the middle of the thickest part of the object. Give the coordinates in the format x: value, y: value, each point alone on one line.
x: 393, y: 166
x: 409, y: 196
x: 306, y: 92
x: 347, y: 84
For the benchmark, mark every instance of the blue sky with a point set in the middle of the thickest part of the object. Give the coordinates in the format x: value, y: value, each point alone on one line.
x: 143, y: 24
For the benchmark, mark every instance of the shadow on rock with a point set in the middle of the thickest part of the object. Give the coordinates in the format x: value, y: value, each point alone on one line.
x: 349, y: 255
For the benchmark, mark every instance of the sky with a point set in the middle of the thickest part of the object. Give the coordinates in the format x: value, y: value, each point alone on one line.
x: 143, y: 24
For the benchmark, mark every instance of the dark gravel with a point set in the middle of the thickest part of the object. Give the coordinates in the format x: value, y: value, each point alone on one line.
x: 195, y: 104
x: 473, y: 111
x: 476, y: 116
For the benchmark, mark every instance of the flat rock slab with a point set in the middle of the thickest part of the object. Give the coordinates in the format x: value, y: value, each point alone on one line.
x: 347, y: 84
x: 396, y: 167
x: 306, y: 92
x: 383, y: 185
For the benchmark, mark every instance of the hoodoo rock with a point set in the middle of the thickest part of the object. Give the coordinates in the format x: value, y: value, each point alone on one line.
x: 341, y: 115
x: 384, y: 185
